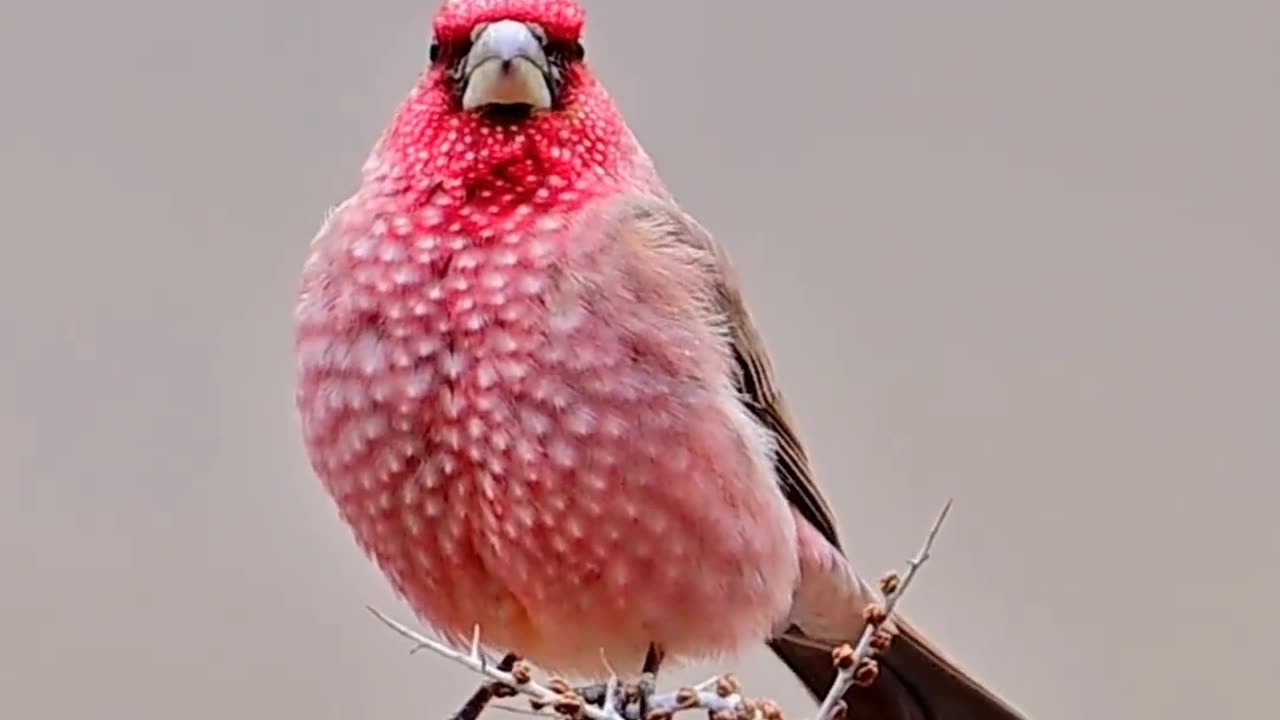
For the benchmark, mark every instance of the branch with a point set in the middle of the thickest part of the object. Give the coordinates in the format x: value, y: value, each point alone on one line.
x: 720, y: 696
x: 856, y: 665
x: 717, y: 696
x: 518, y: 677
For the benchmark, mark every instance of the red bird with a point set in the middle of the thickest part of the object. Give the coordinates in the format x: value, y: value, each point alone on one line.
x: 529, y: 381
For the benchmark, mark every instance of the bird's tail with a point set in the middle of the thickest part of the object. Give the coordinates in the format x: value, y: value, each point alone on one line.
x: 916, y: 681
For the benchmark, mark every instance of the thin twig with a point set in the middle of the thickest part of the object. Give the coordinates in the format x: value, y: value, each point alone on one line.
x: 521, y: 711
x: 474, y: 661
x: 863, y: 651
x: 702, y: 697
x: 719, y: 696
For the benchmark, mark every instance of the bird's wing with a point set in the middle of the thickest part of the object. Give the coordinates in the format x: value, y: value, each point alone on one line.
x: 668, y: 230
x: 918, y: 681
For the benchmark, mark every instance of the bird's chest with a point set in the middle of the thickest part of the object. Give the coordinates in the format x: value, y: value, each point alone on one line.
x: 437, y: 372
x: 505, y: 426
x: 431, y: 352
x: 458, y: 399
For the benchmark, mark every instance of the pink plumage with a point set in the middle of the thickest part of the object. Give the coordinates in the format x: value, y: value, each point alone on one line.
x: 521, y: 441
x: 531, y: 386
x: 558, y: 18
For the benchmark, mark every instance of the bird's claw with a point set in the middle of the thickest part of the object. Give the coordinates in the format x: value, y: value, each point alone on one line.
x: 480, y: 699
x: 631, y: 700
x: 645, y: 688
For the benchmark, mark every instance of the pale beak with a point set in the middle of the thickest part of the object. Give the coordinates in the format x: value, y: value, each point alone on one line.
x: 506, y: 66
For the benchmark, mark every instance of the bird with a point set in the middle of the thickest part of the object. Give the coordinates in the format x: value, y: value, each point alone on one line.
x: 531, y: 385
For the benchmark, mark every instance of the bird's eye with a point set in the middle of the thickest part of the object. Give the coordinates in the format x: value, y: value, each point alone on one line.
x: 567, y: 51
x: 434, y: 53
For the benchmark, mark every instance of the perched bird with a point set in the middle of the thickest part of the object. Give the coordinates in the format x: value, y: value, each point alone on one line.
x: 531, y: 385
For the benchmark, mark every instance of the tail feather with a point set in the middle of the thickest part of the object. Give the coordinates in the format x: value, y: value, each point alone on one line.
x: 916, y: 682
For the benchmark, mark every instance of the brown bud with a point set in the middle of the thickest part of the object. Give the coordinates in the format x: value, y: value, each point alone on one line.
x: 569, y: 705
x: 874, y: 614
x: 522, y: 673
x: 866, y: 673
x: 769, y: 710
x: 727, y: 685
x: 839, y: 711
x: 881, y: 640
x: 559, y: 686
x: 537, y: 705
x: 842, y: 657
x: 890, y: 583
x: 721, y: 715
x: 659, y: 715
x: 686, y: 698
x: 746, y: 710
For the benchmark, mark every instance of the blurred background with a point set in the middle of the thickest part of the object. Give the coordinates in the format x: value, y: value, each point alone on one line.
x: 1025, y: 255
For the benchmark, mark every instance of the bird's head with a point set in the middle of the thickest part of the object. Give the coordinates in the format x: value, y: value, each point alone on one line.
x: 509, y: 59
x: 507, y: 107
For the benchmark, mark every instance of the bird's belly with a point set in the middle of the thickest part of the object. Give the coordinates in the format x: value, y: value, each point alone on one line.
x: 542, y: 479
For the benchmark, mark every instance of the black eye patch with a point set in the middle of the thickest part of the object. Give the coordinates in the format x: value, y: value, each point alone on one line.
x: 448, y: 51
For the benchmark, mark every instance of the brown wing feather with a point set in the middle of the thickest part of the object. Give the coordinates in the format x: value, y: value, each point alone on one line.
x: 670, y: 230
x: 917, y: 681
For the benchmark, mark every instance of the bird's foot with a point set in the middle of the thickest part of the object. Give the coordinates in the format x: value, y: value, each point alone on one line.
x: 648, y: 683
x: 633, y: 699
x: 481, y: 698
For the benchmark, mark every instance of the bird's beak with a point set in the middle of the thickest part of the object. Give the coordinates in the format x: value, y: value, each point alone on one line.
x: 506, y: 66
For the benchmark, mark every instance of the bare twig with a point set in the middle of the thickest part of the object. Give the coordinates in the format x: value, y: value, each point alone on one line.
x: 521, y: 711
x: 855, y: 664
x: 475, y: 662
x: 705, y: 696
x: 719, y: 696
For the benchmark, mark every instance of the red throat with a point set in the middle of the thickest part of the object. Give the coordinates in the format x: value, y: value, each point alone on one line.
x: 557, y: 159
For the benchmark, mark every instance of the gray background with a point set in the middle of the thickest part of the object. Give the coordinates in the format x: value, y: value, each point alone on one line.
x: 1020, y: 254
